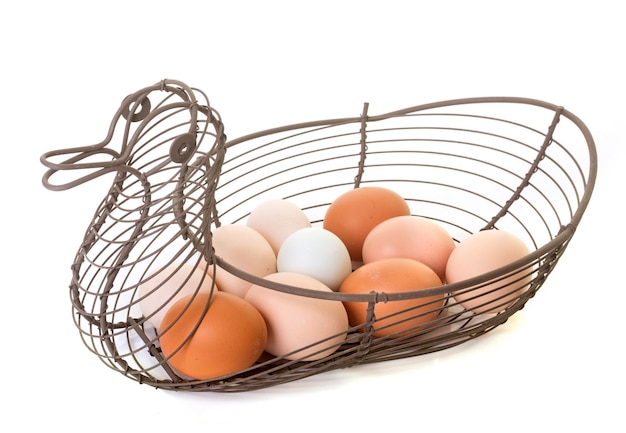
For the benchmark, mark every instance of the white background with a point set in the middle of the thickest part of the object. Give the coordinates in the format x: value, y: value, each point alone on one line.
x: 556, y: 366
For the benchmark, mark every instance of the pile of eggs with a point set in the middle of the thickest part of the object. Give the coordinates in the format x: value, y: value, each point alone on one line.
x: 369, y: 241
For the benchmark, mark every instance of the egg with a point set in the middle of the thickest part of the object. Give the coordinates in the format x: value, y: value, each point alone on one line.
x: 482, y: 252
x: 318, y: 253
x: 132, y: 348
x: 295, y: 322
x: 394, y: 275
x: 353, y: 214
x: 162, y: 288
x: 412, y: 237
x: 276, y: 219
x: 230, y: 336
x: 246, y: 249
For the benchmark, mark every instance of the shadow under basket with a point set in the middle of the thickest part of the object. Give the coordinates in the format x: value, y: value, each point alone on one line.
x: 514, y: 164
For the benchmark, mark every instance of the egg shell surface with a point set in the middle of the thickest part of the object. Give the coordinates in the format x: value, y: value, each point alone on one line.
x: 231, y: 335
x: 276, y: 219
x: 394, y: 275
x: 412, y: 237
x: 132, y: 348
x: 353, y: 214
x: 318, y: 253
x: 482, y: 252
x: 161, y: 289
x: 295, y: 322
x: 246, y: 249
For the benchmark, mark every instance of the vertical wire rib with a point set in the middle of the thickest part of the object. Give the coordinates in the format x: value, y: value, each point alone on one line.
x: 359, y: 175
x: 533, y: 169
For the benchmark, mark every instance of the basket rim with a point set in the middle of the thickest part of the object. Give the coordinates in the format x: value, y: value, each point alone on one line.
x: 566, y: 232
x: 593, y: 156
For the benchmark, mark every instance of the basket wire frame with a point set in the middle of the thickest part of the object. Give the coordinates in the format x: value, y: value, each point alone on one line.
x: 471, y: 164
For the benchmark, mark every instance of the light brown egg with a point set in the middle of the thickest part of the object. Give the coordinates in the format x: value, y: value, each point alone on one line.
x: 412, y: 237
x: 245, y: 248
x: 482, y: 252
x: 294, y: 322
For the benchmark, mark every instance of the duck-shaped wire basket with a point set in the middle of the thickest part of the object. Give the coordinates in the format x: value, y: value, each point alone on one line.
x: 490, y: 163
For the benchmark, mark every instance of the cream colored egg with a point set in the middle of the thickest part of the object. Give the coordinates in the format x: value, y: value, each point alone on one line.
x: 162, y: 288
x: 247, y: 250
x: 294, y: 322
x: 276, y: 219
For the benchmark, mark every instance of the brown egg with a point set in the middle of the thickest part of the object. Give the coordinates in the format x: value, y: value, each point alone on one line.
x: 230, y: 337
x: 352, y: 215
x: 483, y: 252
x: 295, y: 322
x: 394, y: 275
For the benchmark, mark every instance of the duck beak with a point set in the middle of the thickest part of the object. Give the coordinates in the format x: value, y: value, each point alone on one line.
x: 88, y: 162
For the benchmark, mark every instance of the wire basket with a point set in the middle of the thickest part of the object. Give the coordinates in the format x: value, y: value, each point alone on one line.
x: 517, y: 164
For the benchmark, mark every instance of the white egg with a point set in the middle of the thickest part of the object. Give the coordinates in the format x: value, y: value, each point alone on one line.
x: 133, y: 349
x: 318, y: 253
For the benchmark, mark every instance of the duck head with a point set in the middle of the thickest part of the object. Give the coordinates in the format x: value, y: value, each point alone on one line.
x: 159, y: 126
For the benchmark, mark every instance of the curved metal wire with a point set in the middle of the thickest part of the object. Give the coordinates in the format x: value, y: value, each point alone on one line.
x: 518, y: 164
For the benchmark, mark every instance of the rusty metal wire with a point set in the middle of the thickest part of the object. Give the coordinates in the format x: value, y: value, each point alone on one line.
x: 518, y: 164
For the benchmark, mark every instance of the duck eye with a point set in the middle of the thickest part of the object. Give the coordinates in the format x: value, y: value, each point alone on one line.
x: 142, y: 108
x: 183, y: 147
